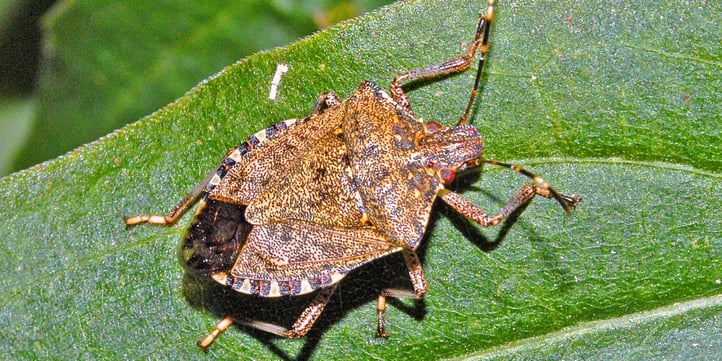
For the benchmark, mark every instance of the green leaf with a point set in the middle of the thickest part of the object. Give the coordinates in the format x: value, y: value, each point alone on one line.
x: 618, y: 103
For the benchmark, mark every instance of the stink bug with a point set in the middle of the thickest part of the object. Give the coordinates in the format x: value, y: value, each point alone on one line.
x: 299, y: 205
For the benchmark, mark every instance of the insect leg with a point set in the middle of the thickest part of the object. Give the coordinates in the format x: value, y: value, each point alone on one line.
x: 299, y: 328
x: 568, y: 202
x: 455, y: 65
x: 177, y: 211
x: 420, y: 287
x: 226, y: 323
x: 311, y: 313
x: 469, y: 210
x: 221, y: 327
x: 522, y: 196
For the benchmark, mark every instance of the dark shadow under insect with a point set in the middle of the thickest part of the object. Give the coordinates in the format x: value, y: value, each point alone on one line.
x: 356, y: 291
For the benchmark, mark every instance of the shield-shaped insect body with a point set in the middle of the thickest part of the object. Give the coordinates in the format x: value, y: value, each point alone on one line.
x: 302, y: 203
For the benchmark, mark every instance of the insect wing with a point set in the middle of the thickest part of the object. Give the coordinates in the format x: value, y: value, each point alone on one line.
x: 268, y: 154
x: 318, y: 188
x: 293, y: 258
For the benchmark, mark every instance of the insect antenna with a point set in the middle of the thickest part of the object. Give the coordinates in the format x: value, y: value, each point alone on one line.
x: 566, y: 201
x: 482, y: 35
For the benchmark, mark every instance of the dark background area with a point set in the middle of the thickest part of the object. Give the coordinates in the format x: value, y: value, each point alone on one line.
x: 20, y: 39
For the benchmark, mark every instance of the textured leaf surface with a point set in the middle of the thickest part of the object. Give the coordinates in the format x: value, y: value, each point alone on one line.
x: 617, y: 103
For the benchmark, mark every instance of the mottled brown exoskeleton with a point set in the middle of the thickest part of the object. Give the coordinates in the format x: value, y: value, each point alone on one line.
x: 300, y: 204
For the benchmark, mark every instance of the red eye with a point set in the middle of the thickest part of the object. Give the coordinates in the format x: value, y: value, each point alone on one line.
x: 433, y: 126
x: 447, y: 175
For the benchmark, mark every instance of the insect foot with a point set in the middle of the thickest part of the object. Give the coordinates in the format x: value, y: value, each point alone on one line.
x: 298, y: 205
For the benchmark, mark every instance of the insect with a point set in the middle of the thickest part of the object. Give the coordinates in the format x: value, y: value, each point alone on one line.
x: 302, y: 203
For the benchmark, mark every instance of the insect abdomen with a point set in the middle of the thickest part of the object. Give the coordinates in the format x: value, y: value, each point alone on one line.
x: 213, y: 240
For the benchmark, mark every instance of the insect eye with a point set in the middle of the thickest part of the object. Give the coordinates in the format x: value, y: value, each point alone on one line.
x: 433, y: 127
x: 422, y: 140
x: 447, y: 175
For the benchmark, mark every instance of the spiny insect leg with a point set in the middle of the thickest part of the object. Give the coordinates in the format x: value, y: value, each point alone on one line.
x: 472, y: 212
x: 522, y: 196
x: 177, y: 211
x: 455, y: 65
x: 420, y: 287
x: 299, y: 328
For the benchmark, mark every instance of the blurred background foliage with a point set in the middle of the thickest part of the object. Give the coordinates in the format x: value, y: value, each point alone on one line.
x: 73, y: 71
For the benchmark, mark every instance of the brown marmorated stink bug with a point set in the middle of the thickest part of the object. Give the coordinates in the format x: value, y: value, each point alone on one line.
x: 302, y: 203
